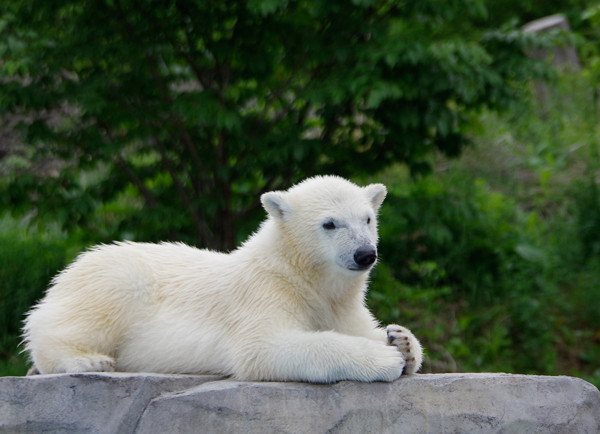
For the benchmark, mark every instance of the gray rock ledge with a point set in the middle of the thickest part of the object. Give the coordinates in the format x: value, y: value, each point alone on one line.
x: 429, y: 403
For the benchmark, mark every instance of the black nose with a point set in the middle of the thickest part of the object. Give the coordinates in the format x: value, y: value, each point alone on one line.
x: 365, y: 256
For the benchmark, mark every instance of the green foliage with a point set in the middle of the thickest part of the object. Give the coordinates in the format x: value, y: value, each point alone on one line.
x: 136, y: 114
x: 27, y: 263
x: 587, y: 205
x: 493, y: 260
x: 524, y: 11
x: 457, y: 245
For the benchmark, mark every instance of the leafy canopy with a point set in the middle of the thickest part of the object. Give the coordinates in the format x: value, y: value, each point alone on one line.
x: 166, y: 120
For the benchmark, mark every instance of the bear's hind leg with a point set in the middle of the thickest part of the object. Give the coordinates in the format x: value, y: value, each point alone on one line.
x: 90, y: 362
x: 63, y: 359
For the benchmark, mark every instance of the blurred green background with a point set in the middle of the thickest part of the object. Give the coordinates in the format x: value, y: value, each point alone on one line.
x: 136, y: 120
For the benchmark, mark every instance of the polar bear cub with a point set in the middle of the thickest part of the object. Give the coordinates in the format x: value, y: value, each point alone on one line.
x: 287, y: 305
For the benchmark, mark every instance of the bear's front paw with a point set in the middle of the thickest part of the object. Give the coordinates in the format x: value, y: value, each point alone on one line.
x: 403, y: 339
x: 389, y: 365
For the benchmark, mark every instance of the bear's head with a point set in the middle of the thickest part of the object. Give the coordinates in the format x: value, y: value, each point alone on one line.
x: 328, y: 222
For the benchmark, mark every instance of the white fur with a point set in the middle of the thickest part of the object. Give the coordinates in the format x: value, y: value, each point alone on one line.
x: 286, y: 305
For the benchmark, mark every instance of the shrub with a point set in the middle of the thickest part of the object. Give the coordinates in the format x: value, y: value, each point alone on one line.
x: 471, y: 273
x: 27, y: 264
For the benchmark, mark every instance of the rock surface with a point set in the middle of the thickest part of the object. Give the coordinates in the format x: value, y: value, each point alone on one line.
x: 431, y: 403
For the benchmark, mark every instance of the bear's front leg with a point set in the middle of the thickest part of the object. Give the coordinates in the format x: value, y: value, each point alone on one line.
x: 319, y: 357
x: 410, y: 347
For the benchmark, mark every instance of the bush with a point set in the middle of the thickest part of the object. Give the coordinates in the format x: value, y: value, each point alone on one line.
x: 27, y: 264
x: 471, y: 273
x: 494, y: 260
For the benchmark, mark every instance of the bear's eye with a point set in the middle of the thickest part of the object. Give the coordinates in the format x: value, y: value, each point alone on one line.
x: 329, y: 225
x: 368, y: 220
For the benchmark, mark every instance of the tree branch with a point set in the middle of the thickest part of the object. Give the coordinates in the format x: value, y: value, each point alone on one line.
x: 181, y: 128
x: 182, y: 131
x: 146, y: 194
x: 126, y: 168
x: 201, y: 226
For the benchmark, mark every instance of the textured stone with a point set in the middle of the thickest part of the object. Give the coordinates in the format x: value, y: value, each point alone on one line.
x: 432, y: 403
x: 96, y: 402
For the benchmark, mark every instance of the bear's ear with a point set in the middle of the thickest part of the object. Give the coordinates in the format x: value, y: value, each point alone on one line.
x: 376, y: 193
x: 275, y: 204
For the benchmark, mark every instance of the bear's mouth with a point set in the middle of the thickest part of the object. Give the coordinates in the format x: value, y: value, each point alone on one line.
x: 359, y: 267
